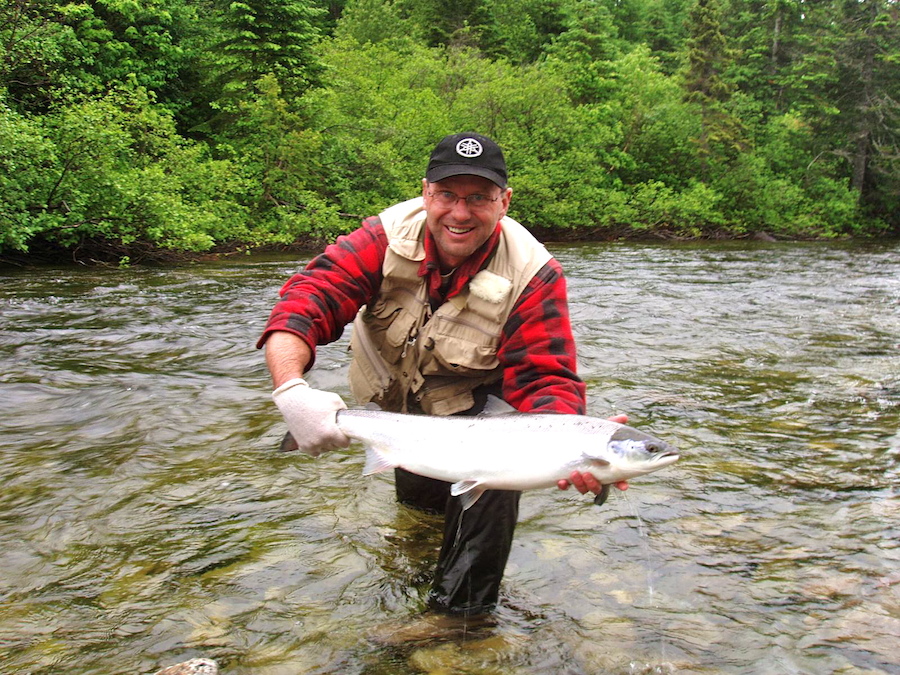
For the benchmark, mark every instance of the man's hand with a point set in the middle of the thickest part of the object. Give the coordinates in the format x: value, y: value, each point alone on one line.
x: 585, y: 482
x: 311, y: 416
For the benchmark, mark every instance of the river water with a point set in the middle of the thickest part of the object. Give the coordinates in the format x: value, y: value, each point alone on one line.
x: 146, y: 518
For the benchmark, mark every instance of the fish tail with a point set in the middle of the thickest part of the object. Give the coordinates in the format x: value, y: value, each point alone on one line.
x: 377, y: 461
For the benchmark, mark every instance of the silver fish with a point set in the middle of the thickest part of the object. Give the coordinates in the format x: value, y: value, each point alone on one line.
x: 502, y: 449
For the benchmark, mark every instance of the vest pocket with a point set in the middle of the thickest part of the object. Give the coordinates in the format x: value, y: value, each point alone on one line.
x: 461, y: 347
x: 389, y: 325
x: 461, y: 359
x: 446, y: 400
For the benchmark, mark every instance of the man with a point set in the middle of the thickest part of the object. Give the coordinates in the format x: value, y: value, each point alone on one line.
x: 451, y: 301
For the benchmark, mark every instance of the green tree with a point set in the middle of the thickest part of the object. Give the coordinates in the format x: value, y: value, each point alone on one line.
x: 867, y: 96
x: 769, y: 39
x: 387, y: 105
x: 27, y: 158
x: 461, y: 23
x: 708, y: 55
x: 522, y: 29
x: 36, y: 48
x: 375, y: 21
x: 657, y: 123
x: 661, y: 27
x: 584, y: 51
x: 261, y: 37
x: 113, y: 174
x: 52, y: 51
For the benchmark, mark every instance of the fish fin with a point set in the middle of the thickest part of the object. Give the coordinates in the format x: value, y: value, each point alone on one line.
x: 600, y: 499
x: 594, y: 459
x: 468, y: 491
x: 496, y: 406
x: 288, y: 443
x: 376, y: 462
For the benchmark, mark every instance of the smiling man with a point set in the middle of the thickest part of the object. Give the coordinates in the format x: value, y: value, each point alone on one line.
x: 451, y: 301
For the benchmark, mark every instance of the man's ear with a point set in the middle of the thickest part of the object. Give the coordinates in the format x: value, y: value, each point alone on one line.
x: 507, y: 196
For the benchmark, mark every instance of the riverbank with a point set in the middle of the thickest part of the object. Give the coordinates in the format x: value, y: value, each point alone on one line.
x: 113, y: 254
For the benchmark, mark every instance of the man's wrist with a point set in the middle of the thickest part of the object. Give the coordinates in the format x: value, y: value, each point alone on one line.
x: 293, y: 382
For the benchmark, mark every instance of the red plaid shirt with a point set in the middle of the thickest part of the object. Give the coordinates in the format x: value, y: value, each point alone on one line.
x: 536, y: 351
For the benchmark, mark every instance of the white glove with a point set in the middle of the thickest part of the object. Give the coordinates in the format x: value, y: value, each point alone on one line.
x: 311, y: 416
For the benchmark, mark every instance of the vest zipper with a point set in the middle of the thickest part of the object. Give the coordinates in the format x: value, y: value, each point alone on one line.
x: 410, y: 341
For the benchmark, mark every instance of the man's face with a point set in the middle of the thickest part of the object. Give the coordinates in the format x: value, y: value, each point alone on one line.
x: 459, y: 229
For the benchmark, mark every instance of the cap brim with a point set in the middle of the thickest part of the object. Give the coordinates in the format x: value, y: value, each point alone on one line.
x: 439, y: 173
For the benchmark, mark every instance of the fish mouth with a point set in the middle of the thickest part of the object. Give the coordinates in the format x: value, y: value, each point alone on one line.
x: 666, y: 457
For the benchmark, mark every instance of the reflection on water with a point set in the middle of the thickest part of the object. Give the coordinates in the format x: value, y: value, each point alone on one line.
x: 145, y: 517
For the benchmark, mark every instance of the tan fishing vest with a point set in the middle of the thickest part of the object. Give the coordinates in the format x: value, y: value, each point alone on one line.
x: 405, y: 355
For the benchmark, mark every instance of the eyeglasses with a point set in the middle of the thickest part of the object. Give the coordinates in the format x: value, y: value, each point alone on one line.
x: 447, y: 200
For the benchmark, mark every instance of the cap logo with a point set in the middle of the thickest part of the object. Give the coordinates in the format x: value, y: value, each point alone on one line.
x: 469, y: 147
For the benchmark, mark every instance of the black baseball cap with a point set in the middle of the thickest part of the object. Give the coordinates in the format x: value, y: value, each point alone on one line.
x: 467, y: 154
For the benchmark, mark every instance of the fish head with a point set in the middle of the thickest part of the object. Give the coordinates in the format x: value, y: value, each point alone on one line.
x: 640, y: 452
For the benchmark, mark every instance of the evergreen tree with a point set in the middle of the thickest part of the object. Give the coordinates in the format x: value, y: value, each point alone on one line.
x: 461, y: 24
x: 769, y: 40
x: 585, y: 50
x: 663, y: 31
x: 848, y: 84
x: 261, y: 37
x: 522, y: 29
x: 721, y: 134
x: 868, y: 72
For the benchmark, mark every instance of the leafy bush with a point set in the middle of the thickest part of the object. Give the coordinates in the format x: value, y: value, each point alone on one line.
x: 26, y: 158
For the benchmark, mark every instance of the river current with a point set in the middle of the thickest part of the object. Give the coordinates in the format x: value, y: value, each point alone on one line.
x: 147, y: 518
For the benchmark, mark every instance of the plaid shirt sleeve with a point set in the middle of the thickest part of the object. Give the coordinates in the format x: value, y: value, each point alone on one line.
x: 537, y: 350
x: 317, y: 303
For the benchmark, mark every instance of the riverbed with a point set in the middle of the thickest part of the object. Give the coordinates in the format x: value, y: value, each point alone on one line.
x: 146, y: 516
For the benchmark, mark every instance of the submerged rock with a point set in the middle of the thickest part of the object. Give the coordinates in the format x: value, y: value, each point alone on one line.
x: 192, y: 667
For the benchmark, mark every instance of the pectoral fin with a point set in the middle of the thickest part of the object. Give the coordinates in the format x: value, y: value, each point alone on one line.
x: 468, y: 491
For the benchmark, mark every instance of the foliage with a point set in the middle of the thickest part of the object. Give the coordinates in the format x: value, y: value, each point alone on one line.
x: 25, y: 156
x: 708, y: 55
x: 190, y: 125
x: 113, y: 169
x: 365, y: 21
x: 261, y: 37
